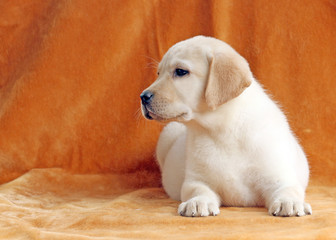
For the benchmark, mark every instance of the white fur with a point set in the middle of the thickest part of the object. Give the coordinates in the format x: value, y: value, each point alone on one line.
x: 241, y: 154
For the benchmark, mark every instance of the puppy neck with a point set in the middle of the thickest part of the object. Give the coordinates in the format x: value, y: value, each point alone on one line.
x: 225, y: 116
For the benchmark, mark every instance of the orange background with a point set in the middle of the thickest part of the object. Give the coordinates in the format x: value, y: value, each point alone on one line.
x: 71, y: 73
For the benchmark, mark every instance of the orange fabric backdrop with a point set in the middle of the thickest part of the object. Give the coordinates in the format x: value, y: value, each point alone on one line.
x: 71, y: 73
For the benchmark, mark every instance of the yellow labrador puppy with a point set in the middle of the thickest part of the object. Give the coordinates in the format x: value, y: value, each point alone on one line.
x: 227, y: 142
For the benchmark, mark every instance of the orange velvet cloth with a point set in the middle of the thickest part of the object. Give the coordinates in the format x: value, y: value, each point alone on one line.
x: 76, y: 157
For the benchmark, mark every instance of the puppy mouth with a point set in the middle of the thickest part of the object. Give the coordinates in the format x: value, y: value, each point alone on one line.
x: 150, y: 115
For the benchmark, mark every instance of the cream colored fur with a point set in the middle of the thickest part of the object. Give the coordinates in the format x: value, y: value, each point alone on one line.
x: 228, y: 143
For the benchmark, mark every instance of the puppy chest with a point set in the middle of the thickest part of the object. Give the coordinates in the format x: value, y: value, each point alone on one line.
x: 225, y: 169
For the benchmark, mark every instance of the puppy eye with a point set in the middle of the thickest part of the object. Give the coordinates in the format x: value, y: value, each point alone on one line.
x: 180, y: 72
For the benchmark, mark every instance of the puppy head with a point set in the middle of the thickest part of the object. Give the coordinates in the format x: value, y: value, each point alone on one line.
x: 195, y: 75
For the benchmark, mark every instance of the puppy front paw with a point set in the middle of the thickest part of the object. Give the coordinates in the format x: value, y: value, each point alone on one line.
x: 198, y: 207
x: 289, y: 208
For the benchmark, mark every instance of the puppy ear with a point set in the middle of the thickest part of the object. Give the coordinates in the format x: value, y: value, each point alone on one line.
x: 229, y: 75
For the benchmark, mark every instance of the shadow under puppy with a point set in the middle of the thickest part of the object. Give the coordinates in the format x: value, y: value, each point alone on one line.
x: 227, y: 142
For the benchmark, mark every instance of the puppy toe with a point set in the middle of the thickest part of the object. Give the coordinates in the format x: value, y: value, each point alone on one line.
x: 191, y: 210
x: 202, y: 209
x: 182, y: 209
x: 307, y: 209
x: 298, y: 209
x: 286, y: 209
x: 275, y: 208
x: 213, y: 209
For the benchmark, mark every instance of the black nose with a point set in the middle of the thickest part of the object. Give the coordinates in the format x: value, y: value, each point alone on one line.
x: 146, y: 97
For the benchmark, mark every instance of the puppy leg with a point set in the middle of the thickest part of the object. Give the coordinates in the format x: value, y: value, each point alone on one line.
x: 285, y: 176
x: 170, y: 133
x: 198, y: 200
x: 170, y: 154
x: 288, y: 202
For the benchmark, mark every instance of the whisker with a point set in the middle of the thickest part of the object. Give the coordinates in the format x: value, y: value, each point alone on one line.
x: 137, y: 113
x: 153, y: 60
x: 138, y: 116
x: 153, y: 63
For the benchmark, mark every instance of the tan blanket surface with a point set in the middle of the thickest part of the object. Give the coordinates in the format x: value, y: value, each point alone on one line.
x: 76, y: 157
x: 53, y: 204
